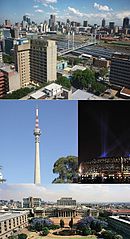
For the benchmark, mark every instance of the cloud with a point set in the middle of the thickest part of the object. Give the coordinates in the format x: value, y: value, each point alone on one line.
x: 47, y: 1
x: 35, y: 6
x: 75, y: 11
x: 39, y: 10
x: 122, y: 14
x: 102, y: 7
x: 82, y: 193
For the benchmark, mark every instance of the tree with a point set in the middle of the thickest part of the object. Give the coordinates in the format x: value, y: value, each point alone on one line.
x: 67, y: 168
x: 64, y: 81
x: 86, y: 231
x: 8, y: 59
x: 107, y: 234
x: 83, y: 79
x: 22, y: 236
x: 19, y: 93
x: 62, y: 223
x: 45, y: 231
x: 71, y: 223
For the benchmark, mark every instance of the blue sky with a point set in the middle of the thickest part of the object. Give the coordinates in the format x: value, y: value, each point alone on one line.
x: 58, y: 122
x: 91, y: 10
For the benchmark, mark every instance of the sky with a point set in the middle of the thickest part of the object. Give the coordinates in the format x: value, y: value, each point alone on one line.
x: 39, y: 10
x: 82, y: 193
x: 104, y: 131
x: 58, y: 122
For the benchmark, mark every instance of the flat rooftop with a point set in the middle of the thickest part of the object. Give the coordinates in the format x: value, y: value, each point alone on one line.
x: 83, y: 95
x: 52, y: 87
x: 9, y: 215
x: 116, y: 218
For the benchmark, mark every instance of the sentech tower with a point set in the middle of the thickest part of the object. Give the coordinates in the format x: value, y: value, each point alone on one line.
x: 37, y: 133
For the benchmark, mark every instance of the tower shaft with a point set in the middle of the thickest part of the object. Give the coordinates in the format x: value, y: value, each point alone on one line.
x: 37, y: 133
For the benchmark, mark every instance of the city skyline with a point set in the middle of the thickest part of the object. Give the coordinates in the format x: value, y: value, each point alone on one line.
x: 39, y: 10
x: 58, y: 124
x: 92, y: 193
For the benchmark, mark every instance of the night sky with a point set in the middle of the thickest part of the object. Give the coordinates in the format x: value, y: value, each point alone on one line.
x: 104, y: 129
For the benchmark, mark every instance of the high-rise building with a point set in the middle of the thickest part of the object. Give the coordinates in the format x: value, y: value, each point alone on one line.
x: 36, y: 60
x: 31, y: 202
x: 111, y: 25
x: 26, y: 18
x: 22, y: 61
x: 3, y: 85
x: 66, y: 202
x: 103, y: 23
x: 125, y: 22
x: 120, y: 70
x: 52, y: 22
x: 37, y: 133
x: 7, y: 23
x: 43, y: 60
x: 85, y: 23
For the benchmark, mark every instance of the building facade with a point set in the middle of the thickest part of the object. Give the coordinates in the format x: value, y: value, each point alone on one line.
x: 31, y: 202
x: 11, y: 222
x: 66, y: 202
x: 43, y: 61
x: 22, y: 61
x: 120, y: 70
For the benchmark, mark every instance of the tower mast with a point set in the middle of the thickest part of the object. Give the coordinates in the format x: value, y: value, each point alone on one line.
x: 37, y: 133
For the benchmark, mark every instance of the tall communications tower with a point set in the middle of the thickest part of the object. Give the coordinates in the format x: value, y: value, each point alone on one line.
x: 37, y: 133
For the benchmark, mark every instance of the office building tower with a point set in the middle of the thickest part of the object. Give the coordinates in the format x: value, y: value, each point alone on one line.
x: 120, y: 70
x: 22, y: 61
x: 7, y: 23
x: 52, y: 22
x: 111, y: 25
x: 85, y: 23
x: 125, y: 22
x: 103, y: 23
x: 37, y: 133
x: 31, y: 202
x: 43, y: 60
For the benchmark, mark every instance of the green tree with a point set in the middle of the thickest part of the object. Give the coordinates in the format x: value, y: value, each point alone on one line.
x: 83, y: 79
x: 45, y: 231
x: 19, y: 93
x: 103, y: 71
x: 64, y: 81
x: 8, y: 59
x: 71, y: 223
x: 108, y: 234
x: 67, y: 168
x: 86, y: 231
x: 22, y: 236
x: 38, y: 226
x: 62, y: 223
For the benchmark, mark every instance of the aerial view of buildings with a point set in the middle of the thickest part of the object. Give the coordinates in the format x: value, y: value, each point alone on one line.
x: 64, y: 119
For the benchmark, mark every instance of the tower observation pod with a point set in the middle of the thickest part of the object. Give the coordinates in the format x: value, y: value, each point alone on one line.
x: 37, y: 133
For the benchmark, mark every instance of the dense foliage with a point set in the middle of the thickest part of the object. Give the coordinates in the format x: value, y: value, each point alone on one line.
x: 64, y: 81
x: 18, y: 94
x: 39, y: 223
x: 87, y: 80
x: 67, y: 168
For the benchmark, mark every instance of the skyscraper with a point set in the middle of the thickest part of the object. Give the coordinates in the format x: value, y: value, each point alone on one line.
x: 37, y: 133
x: 103, y: 22
x: 125, y: 22
x: 52, y: 22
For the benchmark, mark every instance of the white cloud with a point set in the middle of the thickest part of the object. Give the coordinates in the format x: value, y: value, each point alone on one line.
x: 39, y: 10
x: 35, y: 6
x: 46, y: 1
x: 75, y: 11
x: 102, y: 7
x: 82, y: 193
x: 122, y: 14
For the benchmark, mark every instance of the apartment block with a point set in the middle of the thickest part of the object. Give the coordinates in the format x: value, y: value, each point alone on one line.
x: 43, y: 60
x: 36, y: 61
x: 22, y: 62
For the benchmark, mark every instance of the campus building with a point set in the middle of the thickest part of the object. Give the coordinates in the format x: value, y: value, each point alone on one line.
x: 11, y: 222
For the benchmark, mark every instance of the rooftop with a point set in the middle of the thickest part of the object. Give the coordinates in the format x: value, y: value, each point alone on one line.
x: 38, y: 94
x: 83, y: 95
x: 119, y: 219
x: 9, y: 215
x: 52, y: 87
